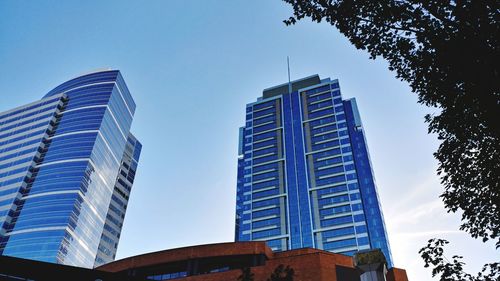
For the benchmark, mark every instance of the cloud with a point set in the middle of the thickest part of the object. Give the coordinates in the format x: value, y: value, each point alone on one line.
x: 427, y: 189
x: 414, y: 215
x: 432, y: 233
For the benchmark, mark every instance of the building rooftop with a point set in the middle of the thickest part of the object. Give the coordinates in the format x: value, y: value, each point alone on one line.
x: 212, y: 262
x: 296, y: 85
x: 224, y: 261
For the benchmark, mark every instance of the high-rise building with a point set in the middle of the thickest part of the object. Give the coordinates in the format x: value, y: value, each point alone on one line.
x: 118, y: 204
x: 304, y: 173
x: 67, y: 163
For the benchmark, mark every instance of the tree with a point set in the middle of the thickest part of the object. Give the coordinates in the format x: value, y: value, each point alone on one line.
x: 433, y: 254
x: 246, y: 274
x: 448, y: 52
x: 282, y: 273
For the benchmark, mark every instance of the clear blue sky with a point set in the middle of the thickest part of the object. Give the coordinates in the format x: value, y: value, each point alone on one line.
x: 191, y: 67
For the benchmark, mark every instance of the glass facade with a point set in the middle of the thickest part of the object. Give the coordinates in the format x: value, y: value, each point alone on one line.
x: 60, y: 161
x: 118, y: 204
x: 304, y: 172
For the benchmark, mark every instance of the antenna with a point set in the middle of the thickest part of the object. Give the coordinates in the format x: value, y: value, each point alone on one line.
x: 289, y: 83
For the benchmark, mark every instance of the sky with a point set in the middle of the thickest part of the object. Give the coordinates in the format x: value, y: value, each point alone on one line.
x: 192, y: 66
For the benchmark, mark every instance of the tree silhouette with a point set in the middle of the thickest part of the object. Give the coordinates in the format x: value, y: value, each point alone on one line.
x: 433, y: 254
x: 282, y: 273
x: 246, y: 274
x: 424, y: 42
x: 448, y: 52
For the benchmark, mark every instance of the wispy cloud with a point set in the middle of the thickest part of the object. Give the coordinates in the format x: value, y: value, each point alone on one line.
x: 433, y: 233
x: 414, y: 215
x: 422, y: 191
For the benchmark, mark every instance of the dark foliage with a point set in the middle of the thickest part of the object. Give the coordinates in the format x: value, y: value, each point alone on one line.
x: 433, y: 254
x: 448, y: 53
x: 246, y: 275
x: 282, y: 273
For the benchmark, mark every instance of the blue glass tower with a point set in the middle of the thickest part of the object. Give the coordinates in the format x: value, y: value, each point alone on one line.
x: 304, y: 172
x: 118, y: 204
x: 60, y: 165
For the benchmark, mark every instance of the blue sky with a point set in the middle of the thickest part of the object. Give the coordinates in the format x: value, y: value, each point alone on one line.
x: 191, y: 67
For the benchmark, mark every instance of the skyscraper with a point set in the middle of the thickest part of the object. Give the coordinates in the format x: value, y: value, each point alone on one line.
x: 118, y: 204
x: 304, y: 172
x: 67, y: 163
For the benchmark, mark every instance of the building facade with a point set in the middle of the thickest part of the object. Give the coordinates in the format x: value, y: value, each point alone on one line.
x: 215, y: 262
x: 304, y: 172
x: 118, y: 204
x: 61, y: 161
x: 225, y: 261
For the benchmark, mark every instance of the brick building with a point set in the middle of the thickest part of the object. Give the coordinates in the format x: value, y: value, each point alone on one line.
x: 213, y: 262
x: 224, y: 261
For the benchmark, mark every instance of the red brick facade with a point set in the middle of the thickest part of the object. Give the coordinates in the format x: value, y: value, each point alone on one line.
x: 397, y: 274
x: 308, y: 264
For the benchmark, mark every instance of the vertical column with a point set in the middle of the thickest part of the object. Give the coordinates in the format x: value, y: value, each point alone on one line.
x: 301, y: 170
x: 291, y: 175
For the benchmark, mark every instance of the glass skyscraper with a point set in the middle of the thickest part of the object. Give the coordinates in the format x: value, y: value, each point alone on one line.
x: 118, y: 204
x: 67, y: 163
x: 304, y: 172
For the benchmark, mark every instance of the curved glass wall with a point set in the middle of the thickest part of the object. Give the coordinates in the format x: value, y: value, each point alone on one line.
x: 68, y: 191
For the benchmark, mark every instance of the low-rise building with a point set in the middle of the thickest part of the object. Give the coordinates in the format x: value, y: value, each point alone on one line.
x: 216, y: 262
